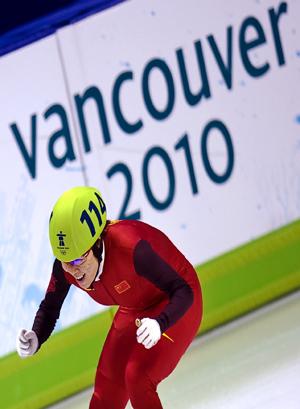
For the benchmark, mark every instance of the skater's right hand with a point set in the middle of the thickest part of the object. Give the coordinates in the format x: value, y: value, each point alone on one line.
x: 27, y: 343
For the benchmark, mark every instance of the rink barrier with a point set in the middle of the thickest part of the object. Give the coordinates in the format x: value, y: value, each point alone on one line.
x: 233, y: 284
x: 62, y: 367
x: 250, y: 276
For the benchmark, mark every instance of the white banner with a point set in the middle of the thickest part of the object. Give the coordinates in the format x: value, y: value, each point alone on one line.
x: 191, y: 125
x: 184, y: 114
x: 34, y: 113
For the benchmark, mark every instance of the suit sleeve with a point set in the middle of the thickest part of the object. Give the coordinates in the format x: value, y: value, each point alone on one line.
x: 49, y: 309
x: 151, y: 266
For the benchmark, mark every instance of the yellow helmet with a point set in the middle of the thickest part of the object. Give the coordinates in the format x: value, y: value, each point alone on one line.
x: 76, y: 222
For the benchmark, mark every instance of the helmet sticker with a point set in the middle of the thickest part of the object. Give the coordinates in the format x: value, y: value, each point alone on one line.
x: 61, y: 236
x: 85, y: 217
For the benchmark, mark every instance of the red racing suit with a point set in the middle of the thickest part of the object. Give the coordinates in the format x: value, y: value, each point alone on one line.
x: 146, y: 276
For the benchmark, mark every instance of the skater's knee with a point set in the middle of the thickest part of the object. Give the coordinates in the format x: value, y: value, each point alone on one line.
x: 108, y: 394
x: 141, y: 388
x: 138, y: 381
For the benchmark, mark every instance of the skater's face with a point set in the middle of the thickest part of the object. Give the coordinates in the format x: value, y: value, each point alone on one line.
x: 83, y: 269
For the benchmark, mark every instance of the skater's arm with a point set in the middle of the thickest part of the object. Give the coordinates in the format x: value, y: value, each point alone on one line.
x: 152, y: 267
x: 50, y: 307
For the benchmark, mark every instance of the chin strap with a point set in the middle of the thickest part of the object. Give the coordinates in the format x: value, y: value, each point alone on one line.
x: 99, y: 253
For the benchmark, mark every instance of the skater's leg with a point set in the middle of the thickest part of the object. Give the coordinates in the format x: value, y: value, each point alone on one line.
x: 146, y: 368
x: 110, y: 388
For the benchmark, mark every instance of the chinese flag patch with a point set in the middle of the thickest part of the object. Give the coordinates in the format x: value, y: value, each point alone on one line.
x: 122, y: 287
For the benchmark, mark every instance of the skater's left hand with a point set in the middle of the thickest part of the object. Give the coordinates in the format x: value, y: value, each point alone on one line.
x: 148, y: 333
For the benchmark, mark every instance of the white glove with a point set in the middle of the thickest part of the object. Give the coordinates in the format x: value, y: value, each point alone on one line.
x: 148, y: 333
x: 27, y: 343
